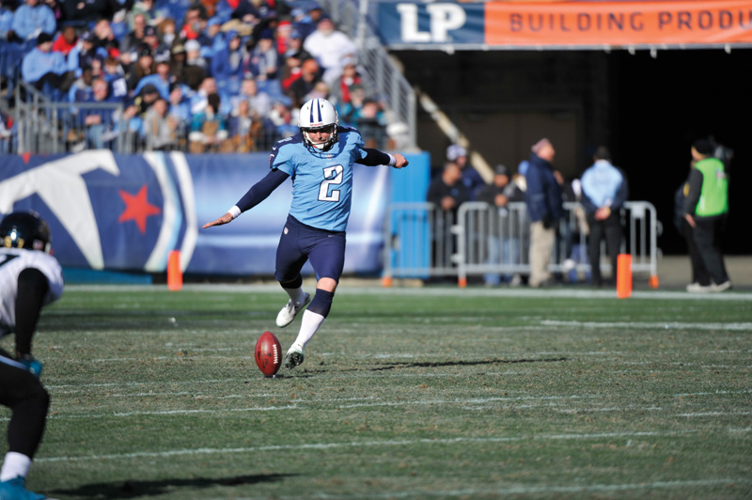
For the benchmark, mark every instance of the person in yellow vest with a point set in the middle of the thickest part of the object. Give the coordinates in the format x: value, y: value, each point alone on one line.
x: 705, y: 210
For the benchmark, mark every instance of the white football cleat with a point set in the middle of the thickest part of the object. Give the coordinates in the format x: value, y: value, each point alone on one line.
x: 288, y: 313
x: 294, y: 357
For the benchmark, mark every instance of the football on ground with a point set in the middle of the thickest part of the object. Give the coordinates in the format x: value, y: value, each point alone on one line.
x: 268, y: 353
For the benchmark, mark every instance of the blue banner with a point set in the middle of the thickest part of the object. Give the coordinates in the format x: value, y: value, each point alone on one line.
x: 411, y: 24
x: 127, y: 212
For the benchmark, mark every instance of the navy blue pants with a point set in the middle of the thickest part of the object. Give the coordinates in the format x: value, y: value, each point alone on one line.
x: 300, y: 243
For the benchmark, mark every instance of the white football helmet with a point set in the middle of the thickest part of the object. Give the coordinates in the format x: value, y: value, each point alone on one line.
x: 318, y: 114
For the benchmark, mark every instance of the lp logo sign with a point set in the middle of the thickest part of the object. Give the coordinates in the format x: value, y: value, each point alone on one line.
x: 443, y: 17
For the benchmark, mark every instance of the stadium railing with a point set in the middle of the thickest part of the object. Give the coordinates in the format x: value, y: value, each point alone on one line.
x: 375, y: 61
x: 423, y: 241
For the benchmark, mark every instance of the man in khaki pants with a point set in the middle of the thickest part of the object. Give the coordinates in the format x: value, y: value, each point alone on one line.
x: 545, y: 208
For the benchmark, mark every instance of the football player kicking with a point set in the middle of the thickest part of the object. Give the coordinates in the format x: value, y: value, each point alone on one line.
x: 320, y: 161
x: 30, y: 278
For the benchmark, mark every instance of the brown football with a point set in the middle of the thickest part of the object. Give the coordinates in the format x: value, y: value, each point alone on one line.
x: 268, y: 353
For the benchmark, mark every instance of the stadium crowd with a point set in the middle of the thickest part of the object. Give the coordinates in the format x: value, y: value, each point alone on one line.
x: 190, y: 75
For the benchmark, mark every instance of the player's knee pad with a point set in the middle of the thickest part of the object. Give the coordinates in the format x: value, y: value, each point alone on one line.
x: 295, y: 282
x: 322, y: 302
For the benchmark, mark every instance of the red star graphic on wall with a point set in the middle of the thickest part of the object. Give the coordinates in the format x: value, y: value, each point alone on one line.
x: 137, y: 208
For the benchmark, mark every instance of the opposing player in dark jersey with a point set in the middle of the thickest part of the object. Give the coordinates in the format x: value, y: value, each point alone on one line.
x: 320, y: 161
x: 30, y: 278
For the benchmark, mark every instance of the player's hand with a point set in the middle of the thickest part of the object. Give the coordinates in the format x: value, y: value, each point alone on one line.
x: 31, y: 364
x: 219, y: 222
x: 401, y: 161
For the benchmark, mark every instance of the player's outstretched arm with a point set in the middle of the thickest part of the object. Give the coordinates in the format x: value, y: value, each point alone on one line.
x: 258, y: 193
x: 219, y: 222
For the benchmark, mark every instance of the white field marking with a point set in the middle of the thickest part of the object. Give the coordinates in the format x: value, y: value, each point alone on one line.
x: 367, y: 444
x: 525, y: 490
x: 652, y: 325
x: 714, y: 414
x: 273, y: 288
x: 144, y: 384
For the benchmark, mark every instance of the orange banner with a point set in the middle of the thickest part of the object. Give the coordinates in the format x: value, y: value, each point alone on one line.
x: 688, y: 22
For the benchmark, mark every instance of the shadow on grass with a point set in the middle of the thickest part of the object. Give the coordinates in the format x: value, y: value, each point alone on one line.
x: 135, y: 489
x: 441, y: 364
x: 425, y: 364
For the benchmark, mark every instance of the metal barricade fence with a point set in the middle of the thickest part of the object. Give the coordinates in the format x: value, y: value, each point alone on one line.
x: 423, y: 241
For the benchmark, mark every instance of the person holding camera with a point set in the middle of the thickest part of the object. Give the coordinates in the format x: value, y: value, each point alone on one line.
x: 544, y: 208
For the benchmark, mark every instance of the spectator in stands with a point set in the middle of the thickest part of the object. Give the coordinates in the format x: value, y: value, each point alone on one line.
x: 160, y: 78
x: 6, y: 20
x: 80, y: 90
x: 260, y: 103
x: 149, y: 10
x: 243, y: 127
x: 98, y: 123
x: 200, y: 98
x: 31, y: 19
x: 167, y: 33
x: 295, y: 47
x: 349, y: 111
x: 371, y: 123
x: 306, y: 24
x: 194, y: 22
x: 247, y: 13
x: 470, y: 177
x: 114, y: 76
x: 66, y: 40
x: 264, y: 61
x: 84, y: 53
x: 143, y: 66
x: 208, y: 128
x: 347, y: 80
x: 6, y: 133
x: 195, y: 69
x: 180, y: 109
x: 227, y: 64
x: 89, y: 11
x: 105, y: 38
x: 331, y: 48
x: 136, y: 36
x: 150, y: 39
x: 301, y: 87
x: 284, y: 122
x: 46, y: 70
x: 159, y: 127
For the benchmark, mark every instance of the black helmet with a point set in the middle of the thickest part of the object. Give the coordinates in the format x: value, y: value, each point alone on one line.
x: 25, y: 230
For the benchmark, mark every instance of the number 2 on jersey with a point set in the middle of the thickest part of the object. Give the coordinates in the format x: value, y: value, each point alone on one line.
x: 332, y: 177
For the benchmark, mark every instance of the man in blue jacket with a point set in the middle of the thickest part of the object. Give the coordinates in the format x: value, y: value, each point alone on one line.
x: 544, y: 208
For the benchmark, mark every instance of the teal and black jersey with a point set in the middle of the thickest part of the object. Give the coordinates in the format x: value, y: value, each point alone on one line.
x: 322, y: 180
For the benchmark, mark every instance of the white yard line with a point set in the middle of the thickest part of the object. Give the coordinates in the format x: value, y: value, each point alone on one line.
x: 365, y: 444
x: 529, y: 490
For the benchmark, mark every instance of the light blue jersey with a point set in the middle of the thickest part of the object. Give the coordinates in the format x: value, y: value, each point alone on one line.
x: 321, y: 180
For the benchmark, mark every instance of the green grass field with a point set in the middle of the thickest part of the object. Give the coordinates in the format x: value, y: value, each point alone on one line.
x: 405, y: 393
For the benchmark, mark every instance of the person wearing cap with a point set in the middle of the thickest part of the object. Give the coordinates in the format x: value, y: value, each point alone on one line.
x: 504, y: 239
x: 543, y: 199
x: 331, y: 48
x: 706, y: 210
x: 227, y: 64
x: 143, y: 66
x: 264, y: 61
x: 160, y: 78
x: 46, y: 70
x: 470, y: 177
x: 604, y: 191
